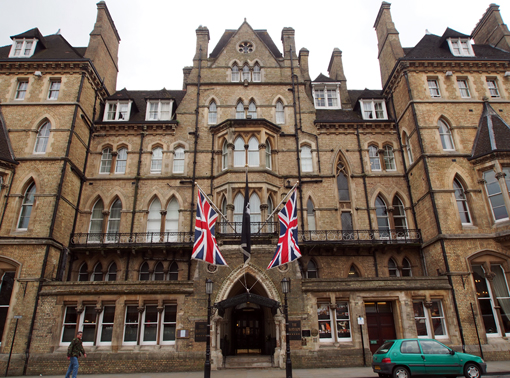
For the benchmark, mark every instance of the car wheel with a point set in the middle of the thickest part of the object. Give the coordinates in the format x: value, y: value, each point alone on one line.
x: 471, y: 371
x: 401, y: 372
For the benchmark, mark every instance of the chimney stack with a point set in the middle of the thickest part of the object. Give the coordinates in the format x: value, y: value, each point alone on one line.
x: 202, y: 42
x: 491, y: 30
x: 288, y: 42
x: 336, y: 72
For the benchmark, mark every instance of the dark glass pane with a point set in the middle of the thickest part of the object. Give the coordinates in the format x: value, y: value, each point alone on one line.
x: 6, y: 289
x: 151, y: 314
x: 482, y: 291
x: 90, y: 315
x: 131, y: 314
x: 71, y: 315
x: 410, y: 347
x: 88, y: 332
x: 150, y: 332
x: 346, y: 222
x: 144, y: 276
x: 169, y: 333
x: 3, y: 317
x: 173, y: 276
x: 106, y: 333
x: 170, y: 314
x: 69, y: 333
x: 343, y: 187
x: 487, y: 315
x: 131, y: 332
x: 159, y: 276
x: 108, y: 314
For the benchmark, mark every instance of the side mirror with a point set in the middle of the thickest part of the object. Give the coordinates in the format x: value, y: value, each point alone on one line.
x: 452, y: 352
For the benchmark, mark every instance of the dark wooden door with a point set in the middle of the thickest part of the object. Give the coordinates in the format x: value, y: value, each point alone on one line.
x: 248, y: 330
x: 380, y: 323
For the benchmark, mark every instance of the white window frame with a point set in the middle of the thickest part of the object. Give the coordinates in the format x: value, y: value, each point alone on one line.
x: 253, y: 152
x: 389, y: 158
x: 246, y: 73
x: 234, y: 74
x: 121, y: 160
x: 106, y: 161
x: 393, y: 268
x: 98, y: 269
x: 113, y: 225
x: 326, y: 310
x: 102, y: 324
x: 407, y: 144
x: 492, y: 84
x: 110, y: 272
x: 461, y: 201
x: 21, y: 89
x: 428, y: 318
x: 445, y: 134
x: 179, y: 156
x: 25, y: 205
x: 306, y: 159
x: 268, y: 155
x: 460, y: 47
x: 124, y: 342
x: 224, y: 156
x: 118, y: 110
x: 489, y: 196
x: 82, y: 324
x: 212, y: 117
x: 257, y: 74
x: 42, y: 138
x: 239, y: 154
x: 156, y: 161
x: 280, y: 113
x: 240, y: 114
x: 158, y: 113
x: 172, y: 220
x: 433, y: 85
x: 463, y: 88
x: 342, y: 319
x: 142, y: 331
x: 327, y: 89
x: 252, y: 110
x: 374, y: 157
x: 369, y: 110
x: 170, y: 323
x: 54, y: 89
x: 64, y: 324
x: 25, y: 51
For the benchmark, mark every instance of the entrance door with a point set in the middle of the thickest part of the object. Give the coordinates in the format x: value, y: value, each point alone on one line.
x: 380, y: 323
x: 248, y: 330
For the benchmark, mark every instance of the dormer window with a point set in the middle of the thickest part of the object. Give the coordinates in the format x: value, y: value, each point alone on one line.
x: 159, y: 110
x: 374, y: 109
x: 23, y: 48
x: 117, y: 111
x: 326, y: 96
x: 460, y: 47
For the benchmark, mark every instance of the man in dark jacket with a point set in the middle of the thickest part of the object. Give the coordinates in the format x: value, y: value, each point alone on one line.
x: 74, y: 351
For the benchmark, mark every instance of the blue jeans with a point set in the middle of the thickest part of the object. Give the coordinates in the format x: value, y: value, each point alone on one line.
x: 73, y: 367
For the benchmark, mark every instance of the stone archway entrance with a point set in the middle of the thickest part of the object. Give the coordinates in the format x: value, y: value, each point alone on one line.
x: 247, y: 321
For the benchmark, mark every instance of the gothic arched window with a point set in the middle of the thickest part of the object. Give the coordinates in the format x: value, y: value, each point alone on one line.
x: 26, y: 207
x: 43, y: 135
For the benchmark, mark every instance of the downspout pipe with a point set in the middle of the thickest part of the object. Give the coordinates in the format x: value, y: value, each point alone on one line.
x: 52, y: 226
x: 434, y: 208
x: 300, y: 190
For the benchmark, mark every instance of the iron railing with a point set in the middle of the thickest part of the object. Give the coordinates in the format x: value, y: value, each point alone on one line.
x: 223, y: 231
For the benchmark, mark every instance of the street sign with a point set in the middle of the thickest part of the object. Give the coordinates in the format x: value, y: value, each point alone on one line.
x: 18, y: 316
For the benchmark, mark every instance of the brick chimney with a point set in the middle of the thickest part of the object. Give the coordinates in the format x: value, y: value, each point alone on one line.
x: 303, y: 63
x: 336, y: 72
x: 202, y: 42
x: 288, y: 41
x: 491, y: 30
x: 103, y: 48
x: 390, y: 49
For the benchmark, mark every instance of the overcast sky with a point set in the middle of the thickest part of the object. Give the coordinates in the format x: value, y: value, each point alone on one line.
x: 158, y: 36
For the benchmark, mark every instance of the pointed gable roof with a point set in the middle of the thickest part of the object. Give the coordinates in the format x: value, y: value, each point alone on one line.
x: 30, y: 34
x: 493, y: 133
x: 450, y: 33
x: 262, y: 34
x: 324, y: 79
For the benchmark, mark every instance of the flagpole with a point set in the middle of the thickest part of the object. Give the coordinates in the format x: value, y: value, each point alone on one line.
x: 277, y: 206
x: 214, y: 206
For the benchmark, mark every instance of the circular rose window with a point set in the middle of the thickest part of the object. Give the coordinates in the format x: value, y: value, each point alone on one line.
x: 245, y: 47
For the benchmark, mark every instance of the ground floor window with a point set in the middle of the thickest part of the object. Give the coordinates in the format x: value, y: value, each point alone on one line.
x: 5, y: 299
x: 86, y: 321
x: 429, y: 319
x: 334, y: 321
x: 156, y: 327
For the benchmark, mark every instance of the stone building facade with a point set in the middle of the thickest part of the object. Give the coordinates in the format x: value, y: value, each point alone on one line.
x: 402, y: 201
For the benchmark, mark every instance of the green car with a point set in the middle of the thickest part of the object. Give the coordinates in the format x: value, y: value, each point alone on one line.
x: 406, y: 357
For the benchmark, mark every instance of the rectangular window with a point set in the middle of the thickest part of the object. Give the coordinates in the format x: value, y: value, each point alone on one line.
x: 117, y: 111
x: 159, y: 110
x: 88, y: 324
x: 23, y: 48
x: 427, y: 322
x: 326, y: 96
x: 463, y: 88
x: 70, y: 322
x: 54, y: 89
x: 325, y: 322
x: 495, y: 196
x: 320, y: 101
x: 131, y: 325
x: 150, y: 325
x: 433, y: 88
x: 437, y: 318
x: 373, y: 109
x: 169, y: 324
x: 332, y: 99
x: 21, y: 89
x: 106, y: 325
x: 493, y: 88
x: 179, y: 160
x: 343, y: 322
x: 460, y: 47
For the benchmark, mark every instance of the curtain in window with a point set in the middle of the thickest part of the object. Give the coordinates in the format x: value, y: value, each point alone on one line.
x: 172, y: 220
x: 310, y: 215
x: 157, y: 159
x: 253, y: 152
x: 154, y: 221
x: 502, y: 294
x: 484, y: 300
x: 375, y: 162
x: 43, y: 135
x: 495, y: 196
x: 179, y: 160
x: 306, y: 159
x: 120, y: 164
x: 26, y: 207
x: 239, y: 153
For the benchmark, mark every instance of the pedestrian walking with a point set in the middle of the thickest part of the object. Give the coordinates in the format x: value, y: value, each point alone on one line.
x: 74, y: 351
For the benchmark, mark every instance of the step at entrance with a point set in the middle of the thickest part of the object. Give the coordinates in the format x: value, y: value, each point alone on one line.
x: 254, y: 361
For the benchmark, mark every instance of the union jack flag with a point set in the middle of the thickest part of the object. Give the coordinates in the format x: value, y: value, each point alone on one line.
x: 205, y: 247
x: 287, y: 249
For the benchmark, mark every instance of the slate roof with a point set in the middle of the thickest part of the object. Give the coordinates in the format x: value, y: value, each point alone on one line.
x: 324, y: 79
x: 262, y: 34
x: 140, y: 98
x: 6, y: 153
x: 50, y: 47
x: 434, y: 47
x: 493, y: 133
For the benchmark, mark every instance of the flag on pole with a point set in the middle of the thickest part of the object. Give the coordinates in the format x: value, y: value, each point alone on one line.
x: 205, y: 247
x: 287, y: 249
x: 246, y: 228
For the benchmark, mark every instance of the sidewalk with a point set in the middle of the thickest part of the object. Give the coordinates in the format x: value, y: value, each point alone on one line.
x: 493, y: 368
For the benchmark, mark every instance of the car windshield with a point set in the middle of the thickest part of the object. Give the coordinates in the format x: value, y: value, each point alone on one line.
x: 385, y: 347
